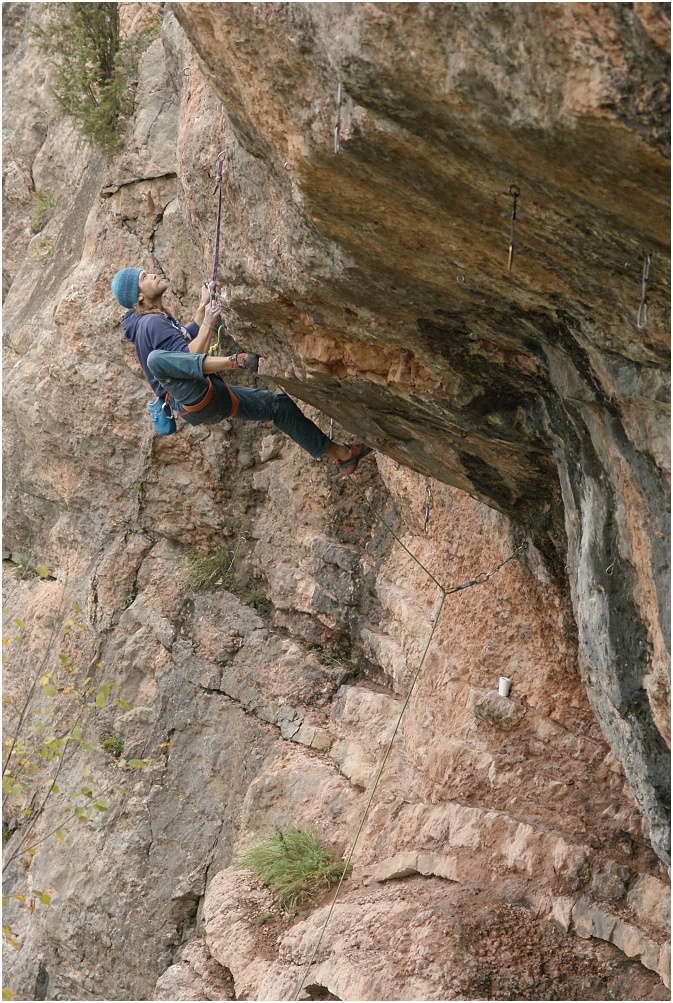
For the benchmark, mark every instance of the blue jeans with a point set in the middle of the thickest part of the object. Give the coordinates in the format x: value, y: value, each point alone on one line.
x: 181, y: 374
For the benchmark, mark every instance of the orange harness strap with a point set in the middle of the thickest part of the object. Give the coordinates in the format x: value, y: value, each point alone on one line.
x: 189, y: 408
x: 202, y: 403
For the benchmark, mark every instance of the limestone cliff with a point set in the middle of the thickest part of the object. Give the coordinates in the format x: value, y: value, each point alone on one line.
x: 513, y: 850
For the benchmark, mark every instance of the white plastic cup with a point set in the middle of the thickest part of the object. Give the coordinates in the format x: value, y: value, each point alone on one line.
x: 503, y: 686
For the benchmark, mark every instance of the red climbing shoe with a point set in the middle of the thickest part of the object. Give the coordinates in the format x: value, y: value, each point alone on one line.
x: 247, y: 361
x: 349, y: 466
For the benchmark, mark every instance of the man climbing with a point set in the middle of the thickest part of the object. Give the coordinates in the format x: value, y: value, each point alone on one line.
x: 175, y: 361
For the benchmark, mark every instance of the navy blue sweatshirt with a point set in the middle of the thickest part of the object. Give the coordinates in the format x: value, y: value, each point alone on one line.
x: 148, y: 331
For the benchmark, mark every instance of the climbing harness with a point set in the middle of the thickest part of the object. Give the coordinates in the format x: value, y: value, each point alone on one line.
x: 641, y: 319
x: 337, y: 124
x: 212, y: 285
x: 221, y: 390
x: 480, y: 579
x: 428, y: 503
x: 515, y: 193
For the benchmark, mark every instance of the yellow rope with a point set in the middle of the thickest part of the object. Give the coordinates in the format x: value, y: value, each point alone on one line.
x: 393, y: 533
x: 371, y: 797
x: 480, y: 579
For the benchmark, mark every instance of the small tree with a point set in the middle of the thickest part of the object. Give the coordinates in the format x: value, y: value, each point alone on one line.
x: 81, y: 40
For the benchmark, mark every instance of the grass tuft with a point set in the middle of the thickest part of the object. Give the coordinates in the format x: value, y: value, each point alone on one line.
x: 212, y: 570
x: 257, y: 598
x: 44, y: 204
x: 294, y: 865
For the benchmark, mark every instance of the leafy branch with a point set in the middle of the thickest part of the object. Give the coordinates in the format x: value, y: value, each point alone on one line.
x: 40, y: 742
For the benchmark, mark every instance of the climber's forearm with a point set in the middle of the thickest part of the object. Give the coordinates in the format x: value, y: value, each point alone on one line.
x: 201, y: 343
x: 217, y: 363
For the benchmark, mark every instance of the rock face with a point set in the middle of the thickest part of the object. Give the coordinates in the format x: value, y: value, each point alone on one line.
x: 386, y: 272
x: 375, y: 282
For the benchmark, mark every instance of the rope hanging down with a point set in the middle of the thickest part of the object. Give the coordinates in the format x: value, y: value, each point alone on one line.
x: 371, y: 797
x: 212, y: 285
x: 480, y: 579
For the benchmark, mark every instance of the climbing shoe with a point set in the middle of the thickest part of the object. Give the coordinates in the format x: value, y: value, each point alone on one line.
x: 349, y: 465
x: 247, y: 361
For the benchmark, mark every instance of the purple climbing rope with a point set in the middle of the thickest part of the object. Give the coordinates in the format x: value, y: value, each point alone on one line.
x: 212, y: 285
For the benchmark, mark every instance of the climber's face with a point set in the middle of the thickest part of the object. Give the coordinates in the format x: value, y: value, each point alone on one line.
x: 150, y: 287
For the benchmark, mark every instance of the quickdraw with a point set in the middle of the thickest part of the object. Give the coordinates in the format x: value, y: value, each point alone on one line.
x: 428, y: 504
x: 515, y: 193
x: 337, y: 124
x: 641, y: 319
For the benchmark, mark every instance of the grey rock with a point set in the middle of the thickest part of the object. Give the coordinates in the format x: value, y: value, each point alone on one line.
x: 573, y: 873
x: 610, y: 881
x: 141, y: 611
x: 499, y: 711
x: 195, y: 976
x: 588, y: 921
x: 289, y: 728
x: 269, y: 447
x: 337, y: 553
x: 650, y: 900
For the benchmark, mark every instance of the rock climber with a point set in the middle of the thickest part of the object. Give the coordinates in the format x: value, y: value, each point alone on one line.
x: 175, y: 361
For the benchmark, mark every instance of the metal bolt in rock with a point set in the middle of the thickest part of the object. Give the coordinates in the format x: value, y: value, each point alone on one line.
x: 515, y: 193
x: 337, y: 124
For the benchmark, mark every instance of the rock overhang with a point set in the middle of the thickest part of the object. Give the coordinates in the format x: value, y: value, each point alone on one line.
x: 525, y: 387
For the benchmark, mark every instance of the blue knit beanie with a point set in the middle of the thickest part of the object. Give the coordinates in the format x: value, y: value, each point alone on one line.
x: 125, y: 287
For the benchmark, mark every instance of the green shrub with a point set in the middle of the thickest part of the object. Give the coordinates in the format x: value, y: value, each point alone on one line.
x: 81, y: 40
x: 294, y: 865
x: 328, y: 654
x: 185, y: 924
x: 24, y: 568
x: 113, y: 745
